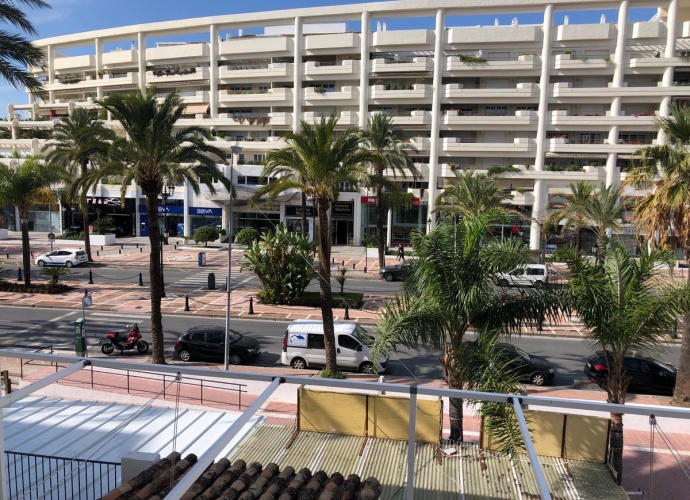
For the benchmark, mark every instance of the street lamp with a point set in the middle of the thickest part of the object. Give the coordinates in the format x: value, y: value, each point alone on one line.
x: 234, y: 150
x: 595, y: 251
x: 166, y: 193
x: 428, y: 226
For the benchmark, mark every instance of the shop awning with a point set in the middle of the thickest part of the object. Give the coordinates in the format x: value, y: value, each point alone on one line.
x: 196, y: 109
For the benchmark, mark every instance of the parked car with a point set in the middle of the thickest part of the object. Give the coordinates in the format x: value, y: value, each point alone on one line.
x: 530, y: 275
x: 76, y: 229
x: 529, y: 368
x: 646, y: 374
x: 392, y: 273
x: 66, y: 258
x: 206, y: 342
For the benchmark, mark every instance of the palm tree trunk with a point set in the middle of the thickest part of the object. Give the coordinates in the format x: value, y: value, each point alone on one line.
x: 157, y: 346
x: 85, y: 211
x: 616, y: 445
x: 324, y: 246
x: 26, y: 249
x: 455, y: 409
x: 379, y: 226
x: 578, y: 239
x: 304, y: 215
x: 681, y: 394
x: 602, y: 241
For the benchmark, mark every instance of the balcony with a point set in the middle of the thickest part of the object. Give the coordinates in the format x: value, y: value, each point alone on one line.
x: 565, y: 146
x: 321, y: 69
x: 253, y: 46
x: 120, y: 79
x: 524, y: 63
x: 250, y: 71
x: 521, y: 146
x: 178, y: 52
x: 523, y: 92
x: 178, y: 75
x: 403, y: 37
x: 415, y: 65
x: 256, y: 119
x: 120, y: 57
x: 422, y: 168
x: 651, y: 94
x: 649, y: 61
x: 563, y: 118
x: 566, y: 62
x: 494, y: 34
x: 76, y: 63
x: 331, y: 41
x: 269, y: 97
x: 281, y: 119
x: 417, y: 117
x: 345, y: 119
x: 418, y: 92
x: 191, y: 97
x: 523, y: 119
x: 315, y: 96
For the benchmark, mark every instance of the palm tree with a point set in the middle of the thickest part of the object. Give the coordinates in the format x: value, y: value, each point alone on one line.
x: 317, y: 163
x: 77, y: 141
x: 153, y: 153
x: 389, y: 155
x: 601, y: 212
x: 24, y: 187
x: 571, y: 213
x: 472, y: 194
x: 449, y: 291
x: 18, y: 53
x: 665, y: 211
x: 626, y: 305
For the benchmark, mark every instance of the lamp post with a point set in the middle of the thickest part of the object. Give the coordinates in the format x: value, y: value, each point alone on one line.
x: 233, y: 151
x: 428, y: 226
x: 166, y: 193
x: 595, y: 251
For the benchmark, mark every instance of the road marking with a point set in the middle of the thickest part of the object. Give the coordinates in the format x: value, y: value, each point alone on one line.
x: 118, y: 316
x: 54, y: 320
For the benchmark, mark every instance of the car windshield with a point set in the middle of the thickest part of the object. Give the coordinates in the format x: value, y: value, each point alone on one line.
x: 363, y: 336
x: 233, y: 336
x: 521, y: 352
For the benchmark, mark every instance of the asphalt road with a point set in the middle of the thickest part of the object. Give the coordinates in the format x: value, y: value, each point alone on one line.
x: 44, y: 327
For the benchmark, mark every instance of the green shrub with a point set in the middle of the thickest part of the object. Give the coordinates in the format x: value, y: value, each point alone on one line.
x: 326, y: 374
x: 499, y: 169
x: 103, y: 225
x: 75, y: 237
x: 55, y: 273
x: 205, y: 234
x: 313, y: 299
x: 247, y: 236
x: 283, y: 262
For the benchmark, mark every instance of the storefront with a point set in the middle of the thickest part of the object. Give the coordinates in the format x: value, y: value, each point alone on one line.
x: 171, y: 217
x: 407, y: 220
x: 343, y: 222
x: 293, y: 218
x: 104, y: 206
x: 200, y: 217
x: 261, y: 221
x: 369, y: 217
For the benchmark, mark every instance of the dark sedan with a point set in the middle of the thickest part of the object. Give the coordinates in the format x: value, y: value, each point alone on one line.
x: 393, y: 273
x: 646, y: 374
x: 206, y: 342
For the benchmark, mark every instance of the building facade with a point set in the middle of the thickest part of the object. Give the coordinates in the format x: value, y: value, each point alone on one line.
x: 547, y: 104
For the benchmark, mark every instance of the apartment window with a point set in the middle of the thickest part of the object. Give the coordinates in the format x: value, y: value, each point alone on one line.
x: 241, y: 180
x: 631, y: 138
x: 326, y: 87
x: 495, y: 110
x: 590, y: 138
x: 263, y: 89
x: 240, y: 112
x: 415, y: 185
x: 253, y: 180
x: 242, y: 88
x: 526, y: 108
x: 260, y: 158
x: 466, y: 111
x: 384, y: 109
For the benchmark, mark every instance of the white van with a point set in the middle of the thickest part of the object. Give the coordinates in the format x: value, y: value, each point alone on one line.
x: 303, y: 346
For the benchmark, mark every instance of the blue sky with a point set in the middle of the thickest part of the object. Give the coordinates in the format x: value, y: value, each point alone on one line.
x: 71, y: 16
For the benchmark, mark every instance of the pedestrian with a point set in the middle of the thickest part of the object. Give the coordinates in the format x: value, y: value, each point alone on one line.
x: 401, y: 252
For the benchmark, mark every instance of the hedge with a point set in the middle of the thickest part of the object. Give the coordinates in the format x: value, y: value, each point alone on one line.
x: 313, y: 299
x: 8, y: 286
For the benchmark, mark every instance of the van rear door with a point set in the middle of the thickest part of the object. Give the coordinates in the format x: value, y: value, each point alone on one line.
x: 316, y: 350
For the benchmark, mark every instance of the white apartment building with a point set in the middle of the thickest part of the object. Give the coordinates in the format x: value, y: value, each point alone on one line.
x: 559, y: 103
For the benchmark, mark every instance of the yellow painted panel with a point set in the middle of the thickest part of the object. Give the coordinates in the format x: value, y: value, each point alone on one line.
x: 546, y: 429
x: 389, y: 418
x: 586, y: 438
x: 336, y: 412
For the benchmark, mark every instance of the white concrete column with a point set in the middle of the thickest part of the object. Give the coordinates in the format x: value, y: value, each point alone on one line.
x: 213, y: 62
x: 612, y: 174
x: 141, y: 52
x: 282, y: 212
x: 297, y: 74
x: 539, y: 206
x: 51, y: 71
x: 187, y: 218
x: 15, y: 125
x: 669, y: 51
x: 99, y: 66
x: 137, y: 212
x: 364, y: 67
x: 439, y: 63
x: 357, y: 226
x: 389, y: 231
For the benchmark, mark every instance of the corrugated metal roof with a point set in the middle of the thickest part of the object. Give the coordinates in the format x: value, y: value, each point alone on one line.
x: 476, y: 474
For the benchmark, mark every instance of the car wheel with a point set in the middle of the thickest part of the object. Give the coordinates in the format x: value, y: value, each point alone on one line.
x: 142, y: 347
x: 41, y: 263
x: 108, y: 349
x: 538, y: 379
x: 538, y: 284
x: 388, y: 277
x: 185, y: 355
x: 367, y: 368
x: 503, y: 282
x: 298, y: 364
x: 68, y: 263
x: 235, y: 359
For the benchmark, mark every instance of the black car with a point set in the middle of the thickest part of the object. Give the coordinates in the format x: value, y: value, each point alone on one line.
x: 530, y: 368
x: 392, y: 273
x: 646, y: 374
x: 75, y: 229
x: 206, y: 342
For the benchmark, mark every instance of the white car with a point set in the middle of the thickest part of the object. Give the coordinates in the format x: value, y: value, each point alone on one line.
x: 67, y: 258
x: 529, y: 275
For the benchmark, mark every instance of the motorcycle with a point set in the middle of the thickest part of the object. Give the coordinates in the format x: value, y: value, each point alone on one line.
x: 124, y: 342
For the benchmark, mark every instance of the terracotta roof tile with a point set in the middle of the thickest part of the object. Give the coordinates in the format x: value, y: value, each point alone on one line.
x: 239, y: 481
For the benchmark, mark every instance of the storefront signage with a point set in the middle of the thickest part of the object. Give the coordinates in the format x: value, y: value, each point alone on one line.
x: 98, y: 200
x: 416, y: 202
x: 297, y: 211
x: 368, y: 200
x: 343, y: 209
x: 171, y: 209
x: 201, y: 211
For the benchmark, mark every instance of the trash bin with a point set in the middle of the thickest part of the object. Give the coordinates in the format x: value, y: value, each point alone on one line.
x: 202, y: 259
x: 211, y: 281
x: 79, y: 340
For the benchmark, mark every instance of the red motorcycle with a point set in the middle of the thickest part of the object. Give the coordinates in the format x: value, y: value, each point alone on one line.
x: 124, y: 342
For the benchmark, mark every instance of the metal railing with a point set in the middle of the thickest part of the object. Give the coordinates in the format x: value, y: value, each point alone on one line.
x: 31, y: 476
x: 47, y: 349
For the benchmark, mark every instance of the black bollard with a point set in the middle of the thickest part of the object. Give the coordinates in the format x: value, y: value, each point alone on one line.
x: 333, y: 260
x: 251, y: 305
x: 97, y: 253
x: 137, y: 245
x: 141, y: 250
x: 347, y: 311
x: 186, y: 302
x: 19, y: 274
x: 343, y: 263
x: 120, y: 251
x: 141, y: 280
x: 90, y: 277
x: 122, y: 247
x: 353, y: 265
x: 8, y: 255
x: 101, y: 248
x: 365, y: 269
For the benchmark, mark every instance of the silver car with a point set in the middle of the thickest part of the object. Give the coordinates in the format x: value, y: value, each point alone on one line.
x: 66, y: 258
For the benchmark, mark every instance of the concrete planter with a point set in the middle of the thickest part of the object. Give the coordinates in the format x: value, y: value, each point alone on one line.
x: 102, y: 239
x: 3, y: 234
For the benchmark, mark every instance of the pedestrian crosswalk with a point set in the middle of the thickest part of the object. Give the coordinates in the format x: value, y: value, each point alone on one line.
x: 200, y: 280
